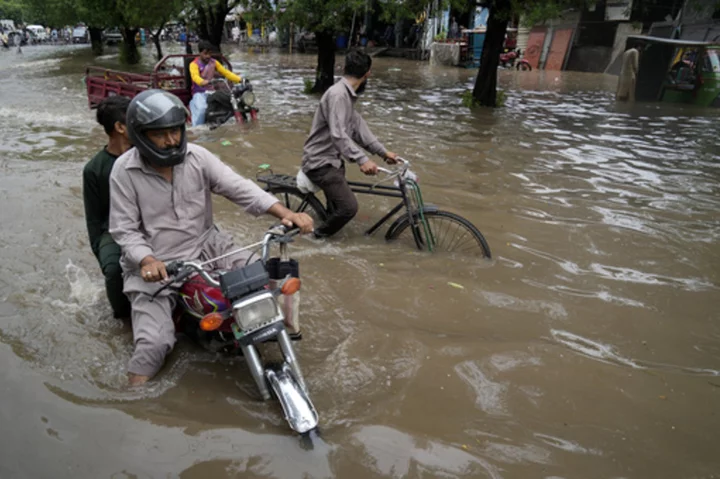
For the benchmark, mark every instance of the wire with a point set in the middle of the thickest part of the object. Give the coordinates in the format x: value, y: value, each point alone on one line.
x: 254, y: 252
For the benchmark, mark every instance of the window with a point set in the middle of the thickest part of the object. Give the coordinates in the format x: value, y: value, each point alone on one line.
x: 711, y: 61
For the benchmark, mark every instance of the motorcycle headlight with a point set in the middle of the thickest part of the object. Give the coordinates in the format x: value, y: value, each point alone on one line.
x: 248, y: 98
x: 257, y: 311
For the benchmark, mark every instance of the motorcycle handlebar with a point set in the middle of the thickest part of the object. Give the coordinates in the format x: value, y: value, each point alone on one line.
x: 173, y: 267
x: 183, y: 269
x: 282, y: 230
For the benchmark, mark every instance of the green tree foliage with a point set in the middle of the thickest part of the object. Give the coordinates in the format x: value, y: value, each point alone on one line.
x: 149, y: 14
x: 208, y: 17
x: 56, y: 13
x: 393, y: 10
x: 11, y: 10
x: 325, y: 18
x: 258, y: 11
x: 128, y: 15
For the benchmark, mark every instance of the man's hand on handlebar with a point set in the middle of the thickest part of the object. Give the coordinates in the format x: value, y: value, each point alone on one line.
x: 369, y: 168
x: 290, y: 218
x: 391, y: 158
x: 302, y: 220
x: 152, y: 270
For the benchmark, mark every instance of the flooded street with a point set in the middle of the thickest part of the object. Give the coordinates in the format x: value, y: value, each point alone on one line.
x: 588, y: 347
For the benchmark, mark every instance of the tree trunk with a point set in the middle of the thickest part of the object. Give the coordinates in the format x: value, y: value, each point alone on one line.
x: 129, y: 53
x: 96, y: 40
x: 211, y: 21
x: 325, y: 72
x: 202, y: 25
x: 156, y: 41
x: 485, y: 91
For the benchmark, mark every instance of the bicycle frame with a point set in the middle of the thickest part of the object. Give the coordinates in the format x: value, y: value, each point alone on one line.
x: 375, y: 190
x: 400, y: 190
x: 382, y: 190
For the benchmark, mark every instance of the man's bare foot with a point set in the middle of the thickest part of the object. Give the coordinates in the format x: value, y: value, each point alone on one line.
x: 137, y: 380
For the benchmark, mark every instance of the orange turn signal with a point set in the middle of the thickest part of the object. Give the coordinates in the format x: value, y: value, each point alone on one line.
x: 211, y: 322
x: 291, y: 286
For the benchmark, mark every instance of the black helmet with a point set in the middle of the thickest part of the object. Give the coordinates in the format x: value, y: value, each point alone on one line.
x: 155, y: 110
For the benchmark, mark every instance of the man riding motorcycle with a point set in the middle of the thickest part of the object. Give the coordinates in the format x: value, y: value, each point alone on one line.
x: 202, y: 72
x: 161, y: 210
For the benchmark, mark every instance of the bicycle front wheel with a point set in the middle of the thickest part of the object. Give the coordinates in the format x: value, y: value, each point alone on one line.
x: 448, y: 232
x: 299, y: 202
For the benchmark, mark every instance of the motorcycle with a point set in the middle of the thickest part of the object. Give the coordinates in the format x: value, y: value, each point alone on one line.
x: 235, y: 311
x: 225, y: 102
x: 508, y: 59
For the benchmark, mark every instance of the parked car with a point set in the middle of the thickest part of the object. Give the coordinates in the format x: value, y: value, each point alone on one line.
x: 38, y: 32
x: 112, y: 36
x: 80, y: 34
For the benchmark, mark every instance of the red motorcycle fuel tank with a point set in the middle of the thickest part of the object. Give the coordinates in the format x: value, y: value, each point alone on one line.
x: 197, y: 298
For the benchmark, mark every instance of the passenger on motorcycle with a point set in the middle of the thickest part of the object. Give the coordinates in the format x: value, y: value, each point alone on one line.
x: 161, y: 210
x: 202, y: 71
x: 96, y: 198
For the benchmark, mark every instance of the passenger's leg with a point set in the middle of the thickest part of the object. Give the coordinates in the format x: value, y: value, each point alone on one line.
x: 342, y: 204
x: 109, y: 257
x: 198, y: 106
x: 153, y: 334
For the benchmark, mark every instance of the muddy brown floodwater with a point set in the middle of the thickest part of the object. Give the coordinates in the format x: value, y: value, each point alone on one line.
x: 589, y: 347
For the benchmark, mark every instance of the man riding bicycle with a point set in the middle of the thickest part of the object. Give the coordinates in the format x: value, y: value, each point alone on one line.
x: 336, y: 129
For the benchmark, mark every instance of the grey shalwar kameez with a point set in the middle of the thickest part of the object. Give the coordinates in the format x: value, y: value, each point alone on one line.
x: 336, y: 128
x: 150, y: 216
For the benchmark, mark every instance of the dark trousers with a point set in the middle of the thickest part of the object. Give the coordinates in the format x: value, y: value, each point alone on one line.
x: 342, y: 206
x: 109, y: 259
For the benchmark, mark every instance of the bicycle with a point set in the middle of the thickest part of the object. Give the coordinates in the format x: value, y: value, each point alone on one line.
x: 430, y: 228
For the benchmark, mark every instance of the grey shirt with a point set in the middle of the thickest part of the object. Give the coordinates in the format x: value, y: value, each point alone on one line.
x: 336, y: 129
x: 151, y: 216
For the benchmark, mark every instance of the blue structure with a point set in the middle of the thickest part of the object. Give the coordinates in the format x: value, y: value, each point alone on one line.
x: 476, y: 39
x: 481, y: 17
x: 475, y: 46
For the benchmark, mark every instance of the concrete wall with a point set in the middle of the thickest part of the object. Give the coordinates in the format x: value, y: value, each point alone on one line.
x: 589, y: 59
x: 698, y: 11
x: 708, y: 32
x: 624, y: 30
x: 445, y: 54
x: 618, y: 10
x: 522, y: 38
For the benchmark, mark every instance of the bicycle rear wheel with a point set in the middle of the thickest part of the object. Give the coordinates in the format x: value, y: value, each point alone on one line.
x: 449, y: 233
x: 299, y: 202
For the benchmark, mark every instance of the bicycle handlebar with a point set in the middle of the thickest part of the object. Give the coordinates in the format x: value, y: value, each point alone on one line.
x: 405, y: 164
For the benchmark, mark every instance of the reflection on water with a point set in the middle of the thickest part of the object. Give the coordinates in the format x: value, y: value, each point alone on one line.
x: 591, y: 341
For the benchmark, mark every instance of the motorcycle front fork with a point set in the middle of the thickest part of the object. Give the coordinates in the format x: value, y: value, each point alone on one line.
x: 257, y: 370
